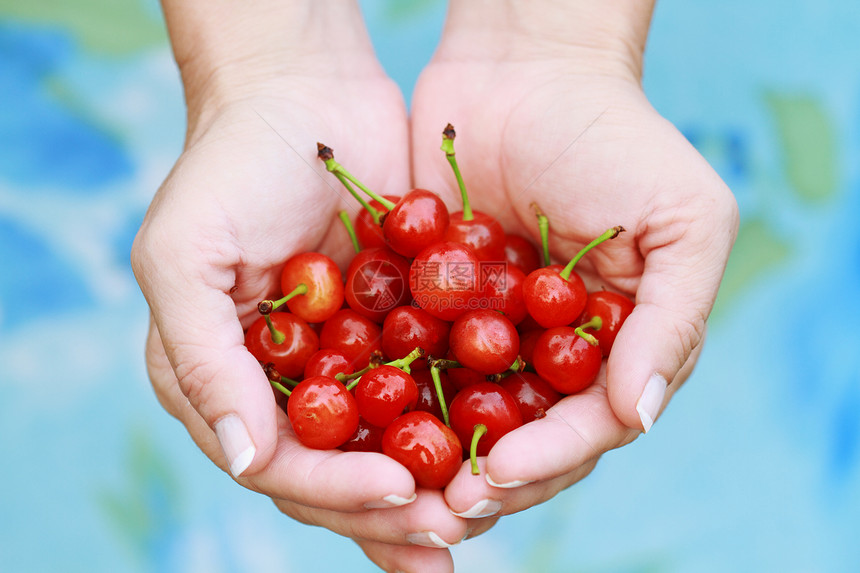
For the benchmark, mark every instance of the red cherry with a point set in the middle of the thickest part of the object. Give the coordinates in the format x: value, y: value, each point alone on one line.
x: 504, y: 293
x: 323, y: 413
x: 384, y: 393
x: 552, y: 299
x: 528, y: 340
x: 566, y: 360
x: 297, y: 342
x: 407, y: 327
x: 444, y: 280
x: 417, y: 221
x: 428, y: 399
x: 488, y: 404
x: 429, y: 449
x: 328, y: 362
x: 483, y: 234
x: 323, y: 281
x: 368, y: 231
x: 376, y: 283
x: 354, y: 335
x: 533, y: 395
x: 521, y: 253
x: 613, y: 309
x: 367, y: 438
x: 485, y: 341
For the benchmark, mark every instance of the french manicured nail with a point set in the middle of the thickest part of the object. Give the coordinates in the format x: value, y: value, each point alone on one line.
x: 236, y: 443
x: 484, y: 508
x: 427, y: 539
x: 506, y: 485
x: 651, y: 401
x: 390, y: 501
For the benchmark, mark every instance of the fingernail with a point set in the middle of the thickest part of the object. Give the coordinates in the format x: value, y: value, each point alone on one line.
x: 428, y: 539
x: 484, y: 508
x: 390, y: 501
x: 236, y: 443
x: 506, y: 485
x: 651, y: 400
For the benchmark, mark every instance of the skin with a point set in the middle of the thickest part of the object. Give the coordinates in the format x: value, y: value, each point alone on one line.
x: 548, y: 107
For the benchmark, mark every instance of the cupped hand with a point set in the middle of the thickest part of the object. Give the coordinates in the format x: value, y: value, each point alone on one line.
x: 569, y: 129
x: 246, y: 194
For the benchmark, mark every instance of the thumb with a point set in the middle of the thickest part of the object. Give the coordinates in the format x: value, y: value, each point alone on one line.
x: 204, y: 343
x: 660, y: 341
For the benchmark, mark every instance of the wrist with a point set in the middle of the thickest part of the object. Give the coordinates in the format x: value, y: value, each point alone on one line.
x: 597, y: 36
x: 230, y: 50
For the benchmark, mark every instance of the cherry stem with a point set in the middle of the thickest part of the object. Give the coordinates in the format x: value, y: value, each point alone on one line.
x: 596, y: 323
x: 543, y: 227
x: 374, y: 213
x: 480, y: 430
x: 344, y: 218
x: 448, y: 135
x: 266, y: 307
x: 443, y: 364
x: 605, y: 236
x: 326, y: 154
x: 278, y: 381
x: 401, y: 363
x: 437, y: 383
x: 278, y: 337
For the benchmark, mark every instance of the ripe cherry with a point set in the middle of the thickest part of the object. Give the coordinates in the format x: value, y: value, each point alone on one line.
x: 328, y: 362
x: 444, y: 280
x: 533, y: 395
x: 521, y: 253
x: 318, y: 281
x: 481, y: 414
x: 376, y: 283
x: 485, y: 341
x: 568, y: 358
x: 384, y: 393
x: 406, y: 327
x: 428, y: 399
x: 369, y: 230
x: 475, y: 229
x: 504, y: 293
x: 323, y: 413
x: 356, y: 336
x: 367, y: 438
x: 613, y: 309
x: 429, y: 449
x: 558, y: 298
x: 283, y: 339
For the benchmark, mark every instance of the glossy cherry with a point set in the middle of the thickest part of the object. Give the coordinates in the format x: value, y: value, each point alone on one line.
x: 368, y: 231
x: 417, y: 221
x: 444, y: 280
x: 367, y: 438
x: 429, y: 449
x: 384, y: 393
x: 356, y: 336
x: 377, y: 282
x: 558, y: 298
x: 323, y: 413
x: 322, y: 280
x: 613, y: 309
x: 406, y: 327
x: 566, y: 359
x: 428, y: 399
x: 283, y: 339
x: 485, y: 341
x: 533, y: 395
x: 503, y: 292
x: 521, y: 253
x: 328, y: 362
x: 481, y: 414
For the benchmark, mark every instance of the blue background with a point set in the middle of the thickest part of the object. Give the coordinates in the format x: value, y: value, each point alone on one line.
x: 753, y: 467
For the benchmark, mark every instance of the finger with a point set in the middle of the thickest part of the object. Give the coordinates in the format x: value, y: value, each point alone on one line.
x: 341, y: 481
x: 407, y: 559
x: 426, y: 522
x: 577, y: 429
x: 472, y: 497
x: 685, y: 249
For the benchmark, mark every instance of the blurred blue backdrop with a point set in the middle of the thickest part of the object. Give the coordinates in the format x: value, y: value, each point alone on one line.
x: 753, y: 467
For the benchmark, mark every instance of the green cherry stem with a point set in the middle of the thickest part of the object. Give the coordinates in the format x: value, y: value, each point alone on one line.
x: 344, y: 218
x: 596, y: 323
x: 543, y: 228
x: 443, y: 364
x: 277, y: 381
x: 605, y: 236
x: 374, y: 213
x: 326, y: 154
x: 437, y: 383
x: 266, y: 307
x: 402, y: 363
x: 448, y: 135
x: 480, y: 430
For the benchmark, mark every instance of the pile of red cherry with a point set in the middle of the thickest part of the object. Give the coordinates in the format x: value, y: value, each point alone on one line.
x: 446, y: 334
